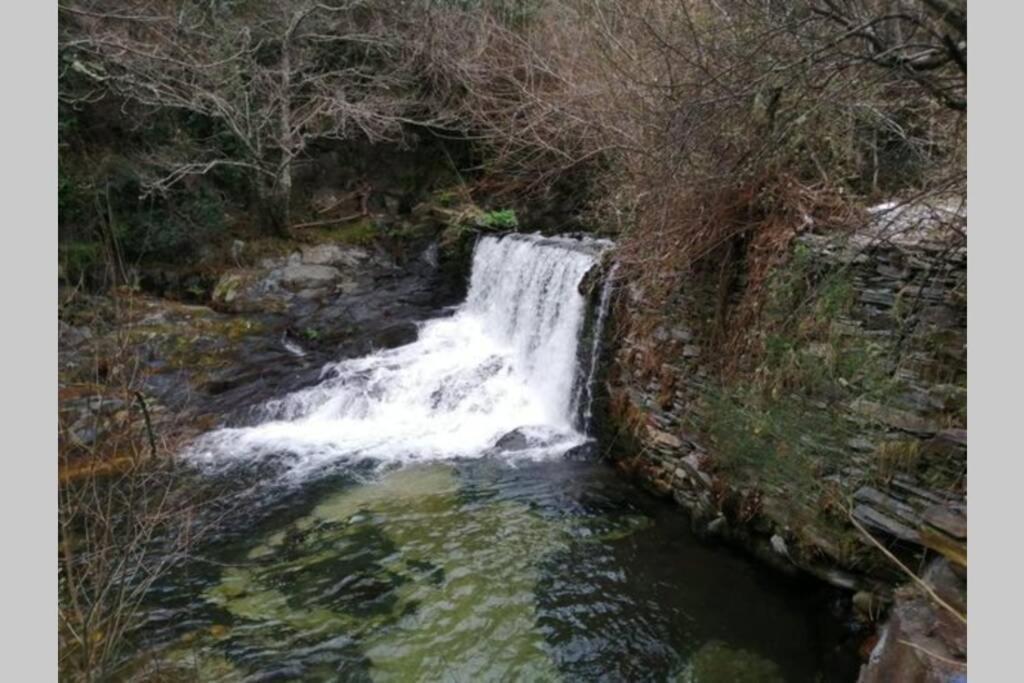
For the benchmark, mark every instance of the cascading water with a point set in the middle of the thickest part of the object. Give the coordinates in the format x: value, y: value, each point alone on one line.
x: 588, y: 387
x: 505, y: 361
x: 552, y: 569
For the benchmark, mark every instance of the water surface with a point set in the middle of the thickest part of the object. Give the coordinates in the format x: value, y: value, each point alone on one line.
x: 488, y: 570
x: 426, y: 513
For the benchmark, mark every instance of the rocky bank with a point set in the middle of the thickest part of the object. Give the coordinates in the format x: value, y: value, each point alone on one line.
x: 845, y: 418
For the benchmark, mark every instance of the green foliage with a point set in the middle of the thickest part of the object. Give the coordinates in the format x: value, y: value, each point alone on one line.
x: 74, y: 197
x: 779, y: 424
x: 79, y: 260
x: 171, y: 229
x: 504, y: 219
x: 774, y: 441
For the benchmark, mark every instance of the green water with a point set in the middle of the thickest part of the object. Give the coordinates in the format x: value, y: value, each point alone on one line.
x: 481, y: 571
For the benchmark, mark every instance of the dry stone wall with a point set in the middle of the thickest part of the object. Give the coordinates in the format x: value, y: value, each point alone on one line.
x: 855, y: 405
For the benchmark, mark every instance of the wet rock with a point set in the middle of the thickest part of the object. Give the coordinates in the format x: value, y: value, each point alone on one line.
x: 779, y: 545
x: 394, y: 336
x: 716, y: 661
x: 515, y: 440
x: 717, y: 526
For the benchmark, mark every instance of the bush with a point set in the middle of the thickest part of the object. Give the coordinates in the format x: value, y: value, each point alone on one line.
x: 504, y: 219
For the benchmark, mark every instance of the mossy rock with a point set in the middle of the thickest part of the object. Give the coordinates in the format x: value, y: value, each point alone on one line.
x: 716, y: 662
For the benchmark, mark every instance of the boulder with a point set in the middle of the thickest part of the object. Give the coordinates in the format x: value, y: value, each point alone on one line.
x: 922, y: 642
x: 334, y: 255
x: 307, y: 276
x: 515, y: 440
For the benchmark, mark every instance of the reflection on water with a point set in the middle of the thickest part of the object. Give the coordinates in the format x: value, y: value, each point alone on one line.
x: 479, y: 571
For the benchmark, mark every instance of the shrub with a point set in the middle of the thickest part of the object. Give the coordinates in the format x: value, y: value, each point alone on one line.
x: 504, y: 219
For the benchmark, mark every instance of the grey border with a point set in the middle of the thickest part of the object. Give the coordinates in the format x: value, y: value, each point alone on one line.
x: 28, y: 54
x: 994, y: 342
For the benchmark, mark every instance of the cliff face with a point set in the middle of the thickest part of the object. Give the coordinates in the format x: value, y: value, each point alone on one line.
x: 846, y: 407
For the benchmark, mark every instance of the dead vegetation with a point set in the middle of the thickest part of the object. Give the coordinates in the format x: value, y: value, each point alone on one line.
x: 705, y: 134
x: 124, y: 520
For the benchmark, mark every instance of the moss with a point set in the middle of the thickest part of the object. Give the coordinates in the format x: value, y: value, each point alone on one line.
x: 357, y: 233
x: 716, y: 662
x: 197, y: 341
x: 504, y: 219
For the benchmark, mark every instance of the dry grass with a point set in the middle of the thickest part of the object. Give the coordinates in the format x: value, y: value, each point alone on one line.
x: 123, y: 518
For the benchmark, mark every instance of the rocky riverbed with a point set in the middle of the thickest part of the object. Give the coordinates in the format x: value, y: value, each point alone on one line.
x: 269, y: 327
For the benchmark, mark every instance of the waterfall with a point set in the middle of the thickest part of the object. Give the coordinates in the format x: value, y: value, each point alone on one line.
x: 505, y: 361
x: 589, y: 387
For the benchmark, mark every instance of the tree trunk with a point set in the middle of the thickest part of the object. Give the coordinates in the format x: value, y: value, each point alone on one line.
x: 275, y: 214
x: 284, y: 175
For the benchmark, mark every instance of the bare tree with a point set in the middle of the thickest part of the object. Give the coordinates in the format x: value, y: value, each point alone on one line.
x: 273, y: 75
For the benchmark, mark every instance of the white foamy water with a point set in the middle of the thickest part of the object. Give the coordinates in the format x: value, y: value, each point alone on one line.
x: 506, y: 360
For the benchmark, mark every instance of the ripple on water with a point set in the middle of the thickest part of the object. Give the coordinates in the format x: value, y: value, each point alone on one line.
x: 479, y: 572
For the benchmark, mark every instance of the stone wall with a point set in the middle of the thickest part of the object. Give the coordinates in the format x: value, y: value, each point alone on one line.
x: 850, y: 401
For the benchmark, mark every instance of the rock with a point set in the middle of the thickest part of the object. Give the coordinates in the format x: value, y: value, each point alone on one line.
x: 947, y: 444
x: 717, y: 526
x: 947, y: 583
x: 951, y: 548
x: 431, y: 255
x: 249, y: 291
x: 334, y: 255
x: 872, y: 518
x: 70, y: 336
x: 779, y: 545
x: 308, y: 276
x: 681, y: 334
x: 715, y: 661
x: 862, y: 444
x: 394, y: 336
x: 880, y: 297
x: 835, y: 577
x: 692, y: 465
x: 921, y: 641
x: 945, y: 519
x: 904, y: 420
x: 662, y: 439
x: 515, y: 440
x: 84, y: 432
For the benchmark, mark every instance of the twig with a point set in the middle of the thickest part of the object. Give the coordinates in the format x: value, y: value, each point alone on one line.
x: 920, y: 582
x: 329, y: 221
x: 944, y: 660
x: 149, y: 424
